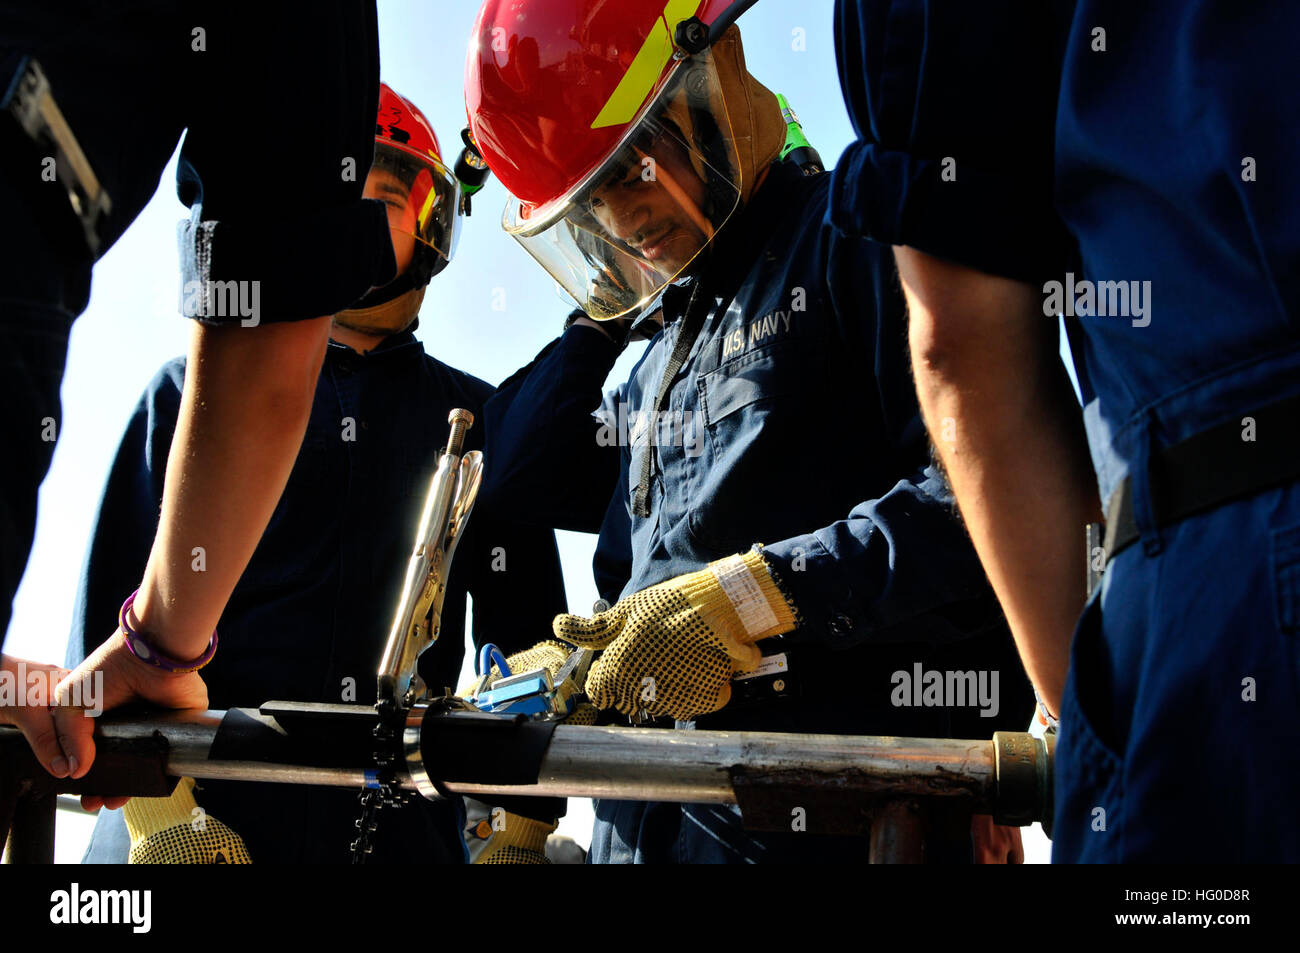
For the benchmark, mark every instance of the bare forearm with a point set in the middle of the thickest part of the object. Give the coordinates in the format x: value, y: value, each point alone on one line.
x: 1008, y: 430
x: 247, y: 398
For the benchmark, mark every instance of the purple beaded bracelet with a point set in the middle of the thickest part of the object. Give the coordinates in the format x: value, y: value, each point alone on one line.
x: 146, y: 652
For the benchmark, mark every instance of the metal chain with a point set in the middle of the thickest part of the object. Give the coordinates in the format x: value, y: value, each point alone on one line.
x: 385, y: 793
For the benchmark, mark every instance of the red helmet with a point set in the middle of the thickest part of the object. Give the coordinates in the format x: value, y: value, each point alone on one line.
x: 541, y: 79
x: 406, y: 149
x: 401, y: 125
x: 567, y: 97
x: 421, y: 194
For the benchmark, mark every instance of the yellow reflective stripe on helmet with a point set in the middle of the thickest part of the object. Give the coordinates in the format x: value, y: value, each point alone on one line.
x: 422, y: 219
x: 648, y: 63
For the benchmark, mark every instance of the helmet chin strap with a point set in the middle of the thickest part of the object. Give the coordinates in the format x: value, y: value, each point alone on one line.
x: 391, y: 316
x: 394, y: 307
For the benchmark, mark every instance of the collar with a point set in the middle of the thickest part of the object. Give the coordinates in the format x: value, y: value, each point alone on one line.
x: 391, y: 346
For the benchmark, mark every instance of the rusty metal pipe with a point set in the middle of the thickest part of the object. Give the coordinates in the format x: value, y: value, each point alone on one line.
x: 1009, y: 777
x: 1013, y: 771
x: 898, y: 834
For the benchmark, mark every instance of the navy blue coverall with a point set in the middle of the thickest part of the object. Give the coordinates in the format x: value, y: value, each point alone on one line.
x: 1154, y: 142
x: 793, y: 423
x: 309, y: 617
x: 263, y: 93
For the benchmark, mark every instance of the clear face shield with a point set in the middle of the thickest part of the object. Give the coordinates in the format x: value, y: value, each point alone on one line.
x: 420, y: 194
x: 640, y: 219
x: 421, y: 197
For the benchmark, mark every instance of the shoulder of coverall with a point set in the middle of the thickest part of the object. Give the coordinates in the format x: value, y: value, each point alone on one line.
x: 468, y: 389
x: 955, y: 114
x: 407, y: 345
x: 169, y: 378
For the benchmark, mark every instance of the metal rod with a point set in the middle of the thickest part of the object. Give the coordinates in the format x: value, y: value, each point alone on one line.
x: 637, y: 763
x: 1008, y: 777
x: 696, y: 766
x: 71, y: 805
x: 898, y: 834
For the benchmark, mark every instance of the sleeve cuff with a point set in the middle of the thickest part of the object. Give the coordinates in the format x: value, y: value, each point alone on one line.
x: 981, y: 219
x: 955, y: 109
x: 821, y: 592
x: 147, y: 816
x: 592, y: 343
x: 248, y: 273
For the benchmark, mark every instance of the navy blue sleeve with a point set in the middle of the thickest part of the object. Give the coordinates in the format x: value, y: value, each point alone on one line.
x: 128, y: 514
x: 548, y: 460
x: 305, y: 78
x: 900, y: 567
x: 954, y: 106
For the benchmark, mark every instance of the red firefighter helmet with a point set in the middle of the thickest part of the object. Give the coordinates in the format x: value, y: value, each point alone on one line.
x: 423, y: 202
x: 406, y: 150
x: 400, y: 125
x: 616, y: 144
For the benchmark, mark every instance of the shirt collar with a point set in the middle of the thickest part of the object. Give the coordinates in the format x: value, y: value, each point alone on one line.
x: 393, y: 347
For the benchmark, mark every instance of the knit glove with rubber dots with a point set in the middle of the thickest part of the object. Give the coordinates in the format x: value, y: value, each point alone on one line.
x: 175, y: 830
x: 495, y: 836
x: 671, y: 649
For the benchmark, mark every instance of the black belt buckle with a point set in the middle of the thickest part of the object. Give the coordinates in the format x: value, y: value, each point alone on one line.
x: 27, y: 97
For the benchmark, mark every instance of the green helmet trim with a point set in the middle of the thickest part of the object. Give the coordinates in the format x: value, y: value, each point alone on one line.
x: 794, y: 137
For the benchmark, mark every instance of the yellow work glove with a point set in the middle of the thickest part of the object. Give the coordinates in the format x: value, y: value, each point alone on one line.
x: 495, y: 836
x: 671, y: 649
x: 549, y: 655
x: 175, y: 830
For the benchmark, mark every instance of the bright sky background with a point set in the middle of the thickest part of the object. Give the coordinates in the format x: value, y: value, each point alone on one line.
x: 132, y: 325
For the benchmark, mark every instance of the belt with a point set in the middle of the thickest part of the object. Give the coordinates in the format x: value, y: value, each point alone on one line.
x: 1211, y: 468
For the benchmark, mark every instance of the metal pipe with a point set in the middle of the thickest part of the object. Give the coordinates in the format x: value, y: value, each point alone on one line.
x: 898, y: 834
x: 71, y: 805
x: 698, y: 766
x: 638, y: 763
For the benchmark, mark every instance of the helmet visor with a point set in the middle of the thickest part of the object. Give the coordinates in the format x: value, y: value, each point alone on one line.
x: 640, y: 219
x: 421, y: 196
